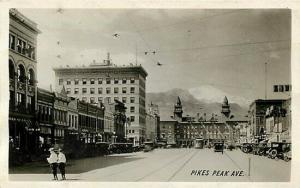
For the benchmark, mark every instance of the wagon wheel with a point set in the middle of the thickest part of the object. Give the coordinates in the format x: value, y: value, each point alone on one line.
x: 273, y: 153
x: 286, y: 158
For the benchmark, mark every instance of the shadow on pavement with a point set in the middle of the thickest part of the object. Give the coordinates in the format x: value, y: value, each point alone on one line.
x: 75, y: 166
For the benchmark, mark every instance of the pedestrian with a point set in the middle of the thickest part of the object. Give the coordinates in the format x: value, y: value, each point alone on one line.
x: 52, y: 160
x: 62, y: 163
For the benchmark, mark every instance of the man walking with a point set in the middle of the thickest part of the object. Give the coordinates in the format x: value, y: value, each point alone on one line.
x: 52, y: 160
x: 61, y: 163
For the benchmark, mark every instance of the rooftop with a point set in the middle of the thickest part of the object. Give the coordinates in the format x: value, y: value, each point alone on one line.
x: 23, y: 19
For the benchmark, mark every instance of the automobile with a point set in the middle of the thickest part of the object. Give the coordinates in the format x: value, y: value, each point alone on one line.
x: 278, y: 149
x: 247, y: 147
x: 183, y: 145
x: 120, y: 148
x: 219, y: 147
x: 263, y: 149
x: 102, y: 148
x: 149, y: 146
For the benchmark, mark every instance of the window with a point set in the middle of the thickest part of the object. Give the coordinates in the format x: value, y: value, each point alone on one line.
x: 12, y: 42
x: 116, y: 81
x: 76, y: 81
x: 132, y: 100
x: 83, y: 81
x: 116, y: 90
x: 129, y: 131
x: 132, y: 89
x: 132, y: 130
x: 107, y: 80
x: 116, y: 98
x: 68, y: 90
x: 92, y: 90
x: 124, y: 99
x: 30, y: 51
x: 92, y: 100
x: 76, y: 91
x: 124, y: 90
x: 100, y: 80
x: 60, y: 82
x: 108, y: 99
x: 124, y: 80
x: 84, y: 99
x: 100, y: 99
x: 275, y: 88
x: 132, y: 80
x: 100, y: 90
x: 280, y: 88
x: 84, y: 90
x: 21, y: 46
x: 287, y: 87
x: 132, y: 118
x: 132, y: 109
x: 92, y: 81
x: 68, y: 82
x: 108, y: 90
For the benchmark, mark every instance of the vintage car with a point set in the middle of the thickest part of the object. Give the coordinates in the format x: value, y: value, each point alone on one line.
x: 278, y: 149
x: 219, y: 147
x: 149, y: 146
x: 120, y: 148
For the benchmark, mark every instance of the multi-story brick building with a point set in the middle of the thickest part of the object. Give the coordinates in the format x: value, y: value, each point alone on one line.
x: 257, y: 117
x: 23, y: 127
x: 185, y: 129
x: 100, y: 81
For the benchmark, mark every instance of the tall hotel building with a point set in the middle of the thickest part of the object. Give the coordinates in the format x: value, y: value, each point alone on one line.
x: 107, y: 82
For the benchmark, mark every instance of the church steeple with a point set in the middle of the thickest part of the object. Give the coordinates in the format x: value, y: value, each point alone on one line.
x: 225, y: 107
x: 178, y: 109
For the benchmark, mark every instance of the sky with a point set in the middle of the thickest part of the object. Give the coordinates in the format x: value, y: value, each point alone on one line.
x: 210, y: 53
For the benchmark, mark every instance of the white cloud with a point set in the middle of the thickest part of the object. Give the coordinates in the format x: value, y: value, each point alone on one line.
x: 209, y: 93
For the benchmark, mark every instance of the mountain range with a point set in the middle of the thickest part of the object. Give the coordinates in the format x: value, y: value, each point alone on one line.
x: 191, y: 105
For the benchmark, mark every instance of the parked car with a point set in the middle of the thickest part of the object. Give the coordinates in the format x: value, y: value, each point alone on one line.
x: 121, y: 148
x: 247, y: 147
x: 278, y: 149
x: 149, y: 146
x: 219, y: 147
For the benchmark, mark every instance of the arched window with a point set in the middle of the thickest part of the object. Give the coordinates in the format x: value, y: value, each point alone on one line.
x: 21, y: 73
x: 11, y: 69
x: 31, y: 77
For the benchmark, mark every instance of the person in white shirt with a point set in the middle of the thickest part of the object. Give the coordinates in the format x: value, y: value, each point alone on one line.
x: 52, y: 160
x: 61, y: 163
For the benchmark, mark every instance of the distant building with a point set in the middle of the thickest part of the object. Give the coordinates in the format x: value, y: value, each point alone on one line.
x: 167, y: 130
x: 23, y: 126
x: 152, y: 123
x: 97, y: 81
x: 45, y: 101
x: 212, y: 129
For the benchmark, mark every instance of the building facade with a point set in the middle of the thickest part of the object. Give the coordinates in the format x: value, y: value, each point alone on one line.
x: 257, y: 117
x: 23, y: 126
x: 212, y: 129
x: 278, y: 122
x: 45, y: 117
x: 97, y: 82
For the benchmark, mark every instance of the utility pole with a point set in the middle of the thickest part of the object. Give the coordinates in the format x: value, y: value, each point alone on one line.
x: 266, y: 76
x: 135, y: 53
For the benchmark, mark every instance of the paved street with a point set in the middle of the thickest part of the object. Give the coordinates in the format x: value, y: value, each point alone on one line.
x: 192, y: 165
